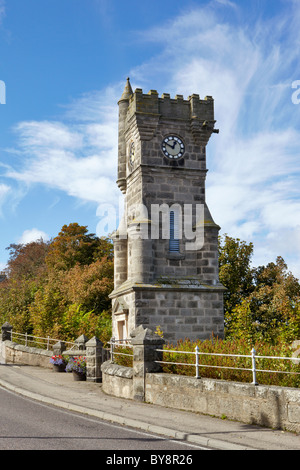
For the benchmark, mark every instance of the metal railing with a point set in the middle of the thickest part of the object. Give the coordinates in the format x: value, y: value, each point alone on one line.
x: 253, y: 358
x: 119, y: 342
x: 35, y: 341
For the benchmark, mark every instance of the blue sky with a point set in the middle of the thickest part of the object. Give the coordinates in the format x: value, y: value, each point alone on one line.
x: 64, y: 64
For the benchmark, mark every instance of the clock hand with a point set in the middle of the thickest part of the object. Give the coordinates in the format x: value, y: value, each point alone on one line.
x: 172, y: 146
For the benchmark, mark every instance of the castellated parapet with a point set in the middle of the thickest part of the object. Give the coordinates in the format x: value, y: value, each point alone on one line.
x: 174, y: 108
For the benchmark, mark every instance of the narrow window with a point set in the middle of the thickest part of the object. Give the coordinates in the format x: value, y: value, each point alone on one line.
x: 122, y: 330
x: 174, y: 233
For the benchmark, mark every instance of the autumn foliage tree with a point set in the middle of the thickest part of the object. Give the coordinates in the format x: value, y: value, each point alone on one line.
x: 60, y: 288
x: 235, y: 270
x: 274, y: 305
x: 27, y: 261
x: 75, y: 246
x: 25, y: 269
x: 260, y: 303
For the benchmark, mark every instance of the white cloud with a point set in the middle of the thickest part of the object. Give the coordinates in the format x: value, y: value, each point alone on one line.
x: 227, y: 3
x: 4, y: 189
x: 38, y: 135
x: 2, y: 10
x: 4, y: 192
x: 32, y: 235
x: 76, y: 156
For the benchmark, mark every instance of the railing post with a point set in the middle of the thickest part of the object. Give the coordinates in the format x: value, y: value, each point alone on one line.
x: 94, y: 360
x: 145, y: 356
x: 58, y: 348
x: 80, y: 342
x: 253, y: 352
x: 26, y: 339
x: 197, y: 361
x: 112, y: 342
x: 6, y: 332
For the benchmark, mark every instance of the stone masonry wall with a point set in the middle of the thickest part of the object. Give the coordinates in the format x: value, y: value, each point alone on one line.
x: 19, y: 354
x: 192, y: 313
x: 269, y: 406
x: 196, y: 314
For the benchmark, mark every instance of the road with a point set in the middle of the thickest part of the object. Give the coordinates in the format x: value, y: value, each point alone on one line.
x: 29, y: 425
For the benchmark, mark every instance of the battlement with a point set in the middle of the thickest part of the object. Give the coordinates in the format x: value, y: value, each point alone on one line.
x: 167, y: 107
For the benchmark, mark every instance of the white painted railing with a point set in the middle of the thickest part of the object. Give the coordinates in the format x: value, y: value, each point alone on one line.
x: 253, y: 358
x: 119, y: 342
x: 27, y: 339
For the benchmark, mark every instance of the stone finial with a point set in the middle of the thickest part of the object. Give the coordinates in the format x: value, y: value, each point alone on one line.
x: 143, y: 335
x: 59, y: 348
x: 94, y: 342
x: 80, y: 342
x: 127, y: 93
x: 6, y: 330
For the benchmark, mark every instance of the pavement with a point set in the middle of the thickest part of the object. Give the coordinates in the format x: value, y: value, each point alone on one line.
x: 60, y: 390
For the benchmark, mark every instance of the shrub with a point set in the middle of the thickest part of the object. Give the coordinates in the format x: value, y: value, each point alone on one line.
x: 237, y: 366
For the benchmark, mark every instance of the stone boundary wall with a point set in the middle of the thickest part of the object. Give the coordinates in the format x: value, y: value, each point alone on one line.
x: 117, y: 380
x: 92, y: 349
x: 269, y: 406
x: 14, y: 353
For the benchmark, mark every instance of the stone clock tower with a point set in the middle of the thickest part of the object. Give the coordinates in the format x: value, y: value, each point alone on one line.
x: 166, y: 247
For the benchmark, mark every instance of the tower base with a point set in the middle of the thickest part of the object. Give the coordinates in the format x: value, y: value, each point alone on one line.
x: 183, y: 309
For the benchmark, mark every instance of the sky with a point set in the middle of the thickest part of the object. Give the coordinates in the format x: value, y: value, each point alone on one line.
x: 63, y: 67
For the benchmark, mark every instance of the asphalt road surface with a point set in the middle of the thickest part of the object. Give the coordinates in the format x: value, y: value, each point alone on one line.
x: 29, y: 425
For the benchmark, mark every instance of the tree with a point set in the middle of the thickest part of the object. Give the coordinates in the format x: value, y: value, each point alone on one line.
x: 74, y: 299
x: 275, y: 301
x: 48, y: 306
x: 90, y: 285
x: 15, y: 299
x: 26, y: 268
x: 74, y: 245
x: 235, y: 271
x: 27, y: 260
x: 60, y: 288
x: 271, y: 312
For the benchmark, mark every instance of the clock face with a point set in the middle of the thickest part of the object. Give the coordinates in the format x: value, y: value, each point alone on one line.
x: 131, y: 154
x: 173, y: 147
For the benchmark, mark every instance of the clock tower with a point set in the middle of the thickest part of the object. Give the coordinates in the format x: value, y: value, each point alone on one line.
x: 166, y: 247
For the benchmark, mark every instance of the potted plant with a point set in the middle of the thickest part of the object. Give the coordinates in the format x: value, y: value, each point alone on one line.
x: 77, y: 365
x: 59, y: 363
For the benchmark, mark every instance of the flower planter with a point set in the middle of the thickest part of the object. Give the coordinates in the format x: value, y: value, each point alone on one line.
x: 58, y: 363
x: 77, y: 365
x: 78, y: 376
x: 59, y: 367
